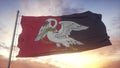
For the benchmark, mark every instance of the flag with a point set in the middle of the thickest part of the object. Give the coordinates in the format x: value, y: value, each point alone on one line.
x: 48, y: 35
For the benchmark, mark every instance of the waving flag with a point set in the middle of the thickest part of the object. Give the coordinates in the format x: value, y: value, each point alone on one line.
x: 46, y: 35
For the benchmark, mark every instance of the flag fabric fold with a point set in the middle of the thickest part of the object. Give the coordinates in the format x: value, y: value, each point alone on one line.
x: 48, y: 35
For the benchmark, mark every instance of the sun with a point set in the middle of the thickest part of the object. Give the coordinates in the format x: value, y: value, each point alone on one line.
x: 77, y: 59
x: 74, y: 60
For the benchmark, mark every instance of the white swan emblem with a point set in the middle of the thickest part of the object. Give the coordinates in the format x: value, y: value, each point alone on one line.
x: 61, y: 36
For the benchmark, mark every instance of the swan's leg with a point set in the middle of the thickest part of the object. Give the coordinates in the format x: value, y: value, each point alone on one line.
x: 66, y: 45
x: 58, y: 45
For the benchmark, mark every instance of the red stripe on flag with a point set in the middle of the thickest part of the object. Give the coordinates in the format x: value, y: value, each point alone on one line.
x: 30, y: 28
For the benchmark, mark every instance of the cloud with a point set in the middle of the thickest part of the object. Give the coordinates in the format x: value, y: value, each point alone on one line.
x: 112, y: 64
x: 115, y: 27
x: 41, y: 7
x: 105, y: 57
x: 105, y: 62
x: 50, y: 7
x: 110, y: 51
x: 23, y: 64
x: 1, y: 27
x: 116, y: 21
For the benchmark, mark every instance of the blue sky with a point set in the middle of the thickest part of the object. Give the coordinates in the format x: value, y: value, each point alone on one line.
x: 108, y: 8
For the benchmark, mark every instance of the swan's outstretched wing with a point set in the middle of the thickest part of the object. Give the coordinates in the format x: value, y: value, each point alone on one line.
x: 68, y: 26
x: 64, y: 32
x: 65, y: 29
x: 42, y: 31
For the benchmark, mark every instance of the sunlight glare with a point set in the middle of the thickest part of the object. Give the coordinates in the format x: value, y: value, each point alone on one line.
x: 83, y: 59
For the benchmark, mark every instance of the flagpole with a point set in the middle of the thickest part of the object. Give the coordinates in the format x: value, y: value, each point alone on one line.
x: 12, y: 43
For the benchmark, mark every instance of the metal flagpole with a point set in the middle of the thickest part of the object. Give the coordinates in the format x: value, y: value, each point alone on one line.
x: 12, y: 43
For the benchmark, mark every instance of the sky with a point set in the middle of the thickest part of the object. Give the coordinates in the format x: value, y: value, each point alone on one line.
x: 8, y: 9
x: 110, y: 16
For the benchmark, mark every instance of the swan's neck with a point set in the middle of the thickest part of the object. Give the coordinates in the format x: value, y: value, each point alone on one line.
x: 50, y: 22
